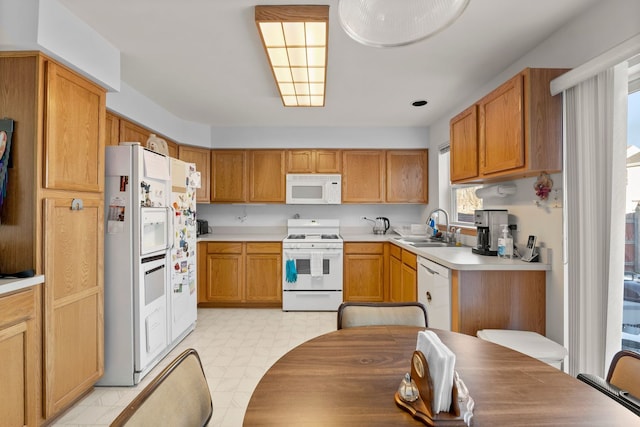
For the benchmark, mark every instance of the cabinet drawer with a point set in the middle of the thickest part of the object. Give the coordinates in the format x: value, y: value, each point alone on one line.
x: 16, y: 307
x: 409, y: 259
x: 264, y: 248
x: 395, y: 251
x: 224, y: 248
x: 363, y: 248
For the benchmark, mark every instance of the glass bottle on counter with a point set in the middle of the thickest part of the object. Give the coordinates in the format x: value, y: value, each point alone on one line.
x: 505, y: 243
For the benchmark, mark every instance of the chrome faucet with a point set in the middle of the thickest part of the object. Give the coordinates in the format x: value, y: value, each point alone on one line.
x: 445, y: 234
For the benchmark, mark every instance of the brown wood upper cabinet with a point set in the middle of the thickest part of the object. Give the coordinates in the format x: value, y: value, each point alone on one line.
x: 519, y: 131
x: 120, y: 129
x: 314, y: 161
x: 74, y: 131
x: 202, y: 159
x: 363, y: 176
x: 407, y: 176
x: 247, y: 176
x: 379, y: 176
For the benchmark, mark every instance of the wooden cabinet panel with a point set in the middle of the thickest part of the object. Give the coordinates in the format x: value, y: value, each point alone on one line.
x: 112, y: 130
x: 225, y: 274
x: 74, y: 131
x: 241, y: 274
x: 364, y: 272
x: 502, y: 145
x: 395, y: 279
x: 328, y: 161
x: 519, y: 131
x: 364, y: 278
x: 228, y: 176
x: 300, y: 161
x: 131, y: 132
x: 313, y: 161
x: 402, y: 275
x: 172, y: 148
x: 407, y: 178
x: 18, y: 353
x: 363, y: 176
x: 498, y: 300
x: 264, y: 277
x: 266, y: 176
x: 202, y: 158
x: 463, y: 158
x: 73, y: 300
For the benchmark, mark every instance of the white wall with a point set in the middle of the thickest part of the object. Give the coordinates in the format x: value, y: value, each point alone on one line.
x: 600, y: 28
x: 350, y: 216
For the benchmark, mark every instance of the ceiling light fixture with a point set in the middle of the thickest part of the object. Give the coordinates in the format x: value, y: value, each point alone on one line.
x: 295, y: 41
x: 388, y: 23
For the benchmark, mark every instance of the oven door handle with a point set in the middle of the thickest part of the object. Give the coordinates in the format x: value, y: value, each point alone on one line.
x: 330, y: 253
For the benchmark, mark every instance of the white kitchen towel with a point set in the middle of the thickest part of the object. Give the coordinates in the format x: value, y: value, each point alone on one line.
x: 441, y: 361
x: 316, y: 264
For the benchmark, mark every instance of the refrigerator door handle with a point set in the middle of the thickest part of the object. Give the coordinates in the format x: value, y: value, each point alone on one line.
x: 171, y: 214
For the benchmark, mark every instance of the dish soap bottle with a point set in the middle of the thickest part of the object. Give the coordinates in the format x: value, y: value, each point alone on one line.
x: 505, y: 243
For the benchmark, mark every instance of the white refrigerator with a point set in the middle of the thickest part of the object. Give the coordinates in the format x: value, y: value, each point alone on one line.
x: 183, y: 296
x: 139, y: 304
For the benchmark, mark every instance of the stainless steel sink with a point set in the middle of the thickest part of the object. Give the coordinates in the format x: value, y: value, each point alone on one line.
x: 422, y: 242
x: 429, y: 244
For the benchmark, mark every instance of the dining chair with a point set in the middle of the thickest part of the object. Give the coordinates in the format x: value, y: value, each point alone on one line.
x: 623, y: 380
x: 352, y: 314
x: 179, y: 397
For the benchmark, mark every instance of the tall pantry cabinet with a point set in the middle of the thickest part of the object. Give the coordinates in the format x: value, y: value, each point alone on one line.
x: 53, y: 219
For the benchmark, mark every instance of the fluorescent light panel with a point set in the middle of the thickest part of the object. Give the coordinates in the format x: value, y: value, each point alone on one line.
x: 295, y: 41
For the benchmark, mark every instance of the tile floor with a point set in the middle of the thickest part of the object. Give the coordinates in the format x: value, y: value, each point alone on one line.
x: 236, y: 346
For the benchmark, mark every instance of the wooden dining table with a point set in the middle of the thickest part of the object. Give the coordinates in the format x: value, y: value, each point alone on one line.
x: 349, y: 378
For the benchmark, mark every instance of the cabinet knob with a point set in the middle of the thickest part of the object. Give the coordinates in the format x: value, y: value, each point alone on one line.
x: 428, y: 296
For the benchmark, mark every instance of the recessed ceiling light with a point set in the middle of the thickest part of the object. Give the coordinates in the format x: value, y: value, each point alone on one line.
x: 419, y: 103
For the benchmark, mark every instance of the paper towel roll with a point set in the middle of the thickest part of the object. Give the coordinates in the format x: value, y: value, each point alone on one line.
x: 502, y: 190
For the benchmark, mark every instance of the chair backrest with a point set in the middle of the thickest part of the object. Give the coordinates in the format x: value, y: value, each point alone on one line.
x: 179, y: 397
x: 352, y: 314
x: 624, y: 372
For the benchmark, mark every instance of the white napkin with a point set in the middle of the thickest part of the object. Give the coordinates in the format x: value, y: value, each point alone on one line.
x: 316, y: 264
x: 441, y: 361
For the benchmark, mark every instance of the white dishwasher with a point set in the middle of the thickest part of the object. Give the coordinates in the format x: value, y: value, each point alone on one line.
x: 434, y: 291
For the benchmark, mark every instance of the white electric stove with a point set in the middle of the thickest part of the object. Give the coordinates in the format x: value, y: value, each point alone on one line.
x: 312, y: 265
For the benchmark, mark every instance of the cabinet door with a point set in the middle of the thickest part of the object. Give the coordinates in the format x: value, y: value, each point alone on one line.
x: 364, y: 277
x: 73, y: 300
x: 328, y: 161
x: 407, y: 176
x: 228, y: 172
x: 463, y: 158
x: 74, y: 120
x: 202, y: 158
x: 409, y: 283
x: 172, y: 148
x: 267, y: 177
x: 502, y: 144
x: 224, y: 274
x: 300, y: 161
x: 362, y: 176
x: 131, y: 132
x: 264, y: 278
x: 395, y: 279
x: 18, y: 358
x: 112, y: 130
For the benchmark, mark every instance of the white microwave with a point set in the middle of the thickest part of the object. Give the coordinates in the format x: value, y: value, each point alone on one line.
x: 314, y: 189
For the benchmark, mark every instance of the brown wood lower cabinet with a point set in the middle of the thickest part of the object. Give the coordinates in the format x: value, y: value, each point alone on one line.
x: 364, y: 271
x: 240, y: 274
x: 402, y: 275
x: 19, y: 355
x: 498, y: 300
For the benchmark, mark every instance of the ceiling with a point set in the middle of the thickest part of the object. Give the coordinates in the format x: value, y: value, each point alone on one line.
x: 202, y: 60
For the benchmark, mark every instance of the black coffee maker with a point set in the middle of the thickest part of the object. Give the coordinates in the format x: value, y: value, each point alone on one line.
x: 488, y: 222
